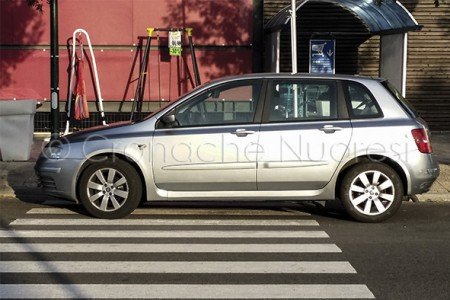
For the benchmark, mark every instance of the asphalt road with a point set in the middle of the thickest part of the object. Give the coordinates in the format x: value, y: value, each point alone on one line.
x: 194, y: 251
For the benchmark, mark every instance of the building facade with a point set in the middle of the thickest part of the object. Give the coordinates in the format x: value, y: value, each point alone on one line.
x: 229, y: 39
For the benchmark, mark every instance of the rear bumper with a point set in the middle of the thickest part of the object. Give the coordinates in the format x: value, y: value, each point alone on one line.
x: 424, y: 170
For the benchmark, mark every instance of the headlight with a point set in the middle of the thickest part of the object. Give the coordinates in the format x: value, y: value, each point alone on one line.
x: 54, y: 152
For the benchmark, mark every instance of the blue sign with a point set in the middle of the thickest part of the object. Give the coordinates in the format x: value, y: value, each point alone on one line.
x: 322, y: 56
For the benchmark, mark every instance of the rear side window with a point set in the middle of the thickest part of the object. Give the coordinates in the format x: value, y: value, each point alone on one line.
x: 303, y: 101
x: 361, y: 102
x: 398, y: 96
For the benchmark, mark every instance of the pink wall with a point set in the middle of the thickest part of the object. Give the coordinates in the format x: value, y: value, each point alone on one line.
x: 114, y: 26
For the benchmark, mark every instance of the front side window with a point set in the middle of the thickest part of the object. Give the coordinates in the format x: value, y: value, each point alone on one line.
x: 233, y: 103
x: 303, y: 101
x: 362, y: 102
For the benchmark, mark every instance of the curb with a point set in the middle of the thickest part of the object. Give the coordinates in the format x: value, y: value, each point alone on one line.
x: 18, y: 179
x: 22, y: 193
x: 434, y: 198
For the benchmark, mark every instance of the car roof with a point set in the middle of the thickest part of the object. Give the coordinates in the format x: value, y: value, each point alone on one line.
x: 297, y: 75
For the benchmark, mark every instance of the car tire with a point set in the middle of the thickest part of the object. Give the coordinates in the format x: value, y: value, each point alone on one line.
x: 110, y: 189
x: 371, y: 192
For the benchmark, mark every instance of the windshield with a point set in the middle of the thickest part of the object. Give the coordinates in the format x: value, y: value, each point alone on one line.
x: 163, y: 105
x: 402, y: 100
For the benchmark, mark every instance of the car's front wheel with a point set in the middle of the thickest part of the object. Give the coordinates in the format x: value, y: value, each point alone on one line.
x: 110, y: 189
x: 371, y: 192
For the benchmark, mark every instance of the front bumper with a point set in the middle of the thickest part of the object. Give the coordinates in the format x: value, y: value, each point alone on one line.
x: 58, y: 177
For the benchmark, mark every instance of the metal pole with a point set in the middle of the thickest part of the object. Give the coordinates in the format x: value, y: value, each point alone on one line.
x: 194, y: 59
x: 258, y: 36
x: 139, y: 94
x: 294, y: 52
x: 294, y: 37
x: 54, y: 70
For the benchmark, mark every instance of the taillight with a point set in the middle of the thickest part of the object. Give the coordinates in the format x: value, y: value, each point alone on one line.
x: 422, y: 141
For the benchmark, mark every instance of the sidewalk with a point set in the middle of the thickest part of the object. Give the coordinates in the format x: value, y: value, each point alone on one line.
x: 17, y: 179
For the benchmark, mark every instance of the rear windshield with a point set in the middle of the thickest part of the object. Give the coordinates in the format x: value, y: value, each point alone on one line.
x: 403, y: 102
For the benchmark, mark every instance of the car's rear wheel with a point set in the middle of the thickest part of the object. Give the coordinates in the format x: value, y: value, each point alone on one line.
x: 110, y: 189
x: 371, y: 192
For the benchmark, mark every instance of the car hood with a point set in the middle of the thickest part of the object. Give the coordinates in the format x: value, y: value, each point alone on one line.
x: 97, y: 132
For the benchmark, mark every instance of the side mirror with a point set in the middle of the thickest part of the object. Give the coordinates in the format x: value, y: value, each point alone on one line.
x: 215, y: 94
x: 169, y: 119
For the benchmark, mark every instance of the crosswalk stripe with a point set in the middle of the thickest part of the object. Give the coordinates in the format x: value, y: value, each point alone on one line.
x: 169, y: 211
x: 172, y: 222
x: 160, y: 234
x: 186, y: 291
x: 40, y: 217
x: 216, y: 267
x: 165, y: 248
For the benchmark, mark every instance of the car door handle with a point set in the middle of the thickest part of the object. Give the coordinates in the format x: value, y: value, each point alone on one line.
x: 330, y: 129
x: 242, y: 132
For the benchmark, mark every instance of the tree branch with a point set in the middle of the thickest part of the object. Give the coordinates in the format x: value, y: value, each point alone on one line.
x: 37, y: 4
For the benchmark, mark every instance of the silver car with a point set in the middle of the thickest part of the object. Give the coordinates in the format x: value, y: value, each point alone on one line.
x: 253, y: 137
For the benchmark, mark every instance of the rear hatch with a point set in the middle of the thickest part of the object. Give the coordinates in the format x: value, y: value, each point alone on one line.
x: 420, y: 135
x: 407, y: 106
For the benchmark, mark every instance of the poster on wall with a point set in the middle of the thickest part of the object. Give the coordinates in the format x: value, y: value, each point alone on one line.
x: 322, y: 56
x: 175, y: 43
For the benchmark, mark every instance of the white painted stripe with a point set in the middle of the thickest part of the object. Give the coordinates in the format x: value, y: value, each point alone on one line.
x: 181, y: 248
x: 218, y: 267
x: 408, y: 12
x: 160, y: 234
x: 405, y: 63
x: 182, y: 222
x: 186, y: 291
x: 176, y: 211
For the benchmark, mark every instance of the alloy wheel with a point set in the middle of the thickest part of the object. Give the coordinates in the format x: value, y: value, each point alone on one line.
x: 107, y: 189
x: 372, y: 193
